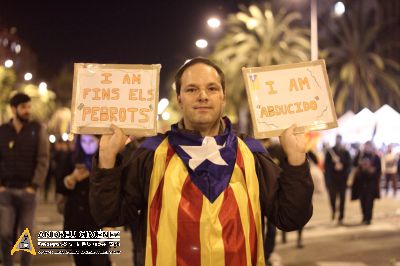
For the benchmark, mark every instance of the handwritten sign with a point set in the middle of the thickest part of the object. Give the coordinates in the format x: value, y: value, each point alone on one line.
x: 123, y: 95
x: 282, y: 95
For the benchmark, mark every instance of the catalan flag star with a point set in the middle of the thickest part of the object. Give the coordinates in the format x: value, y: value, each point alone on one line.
x: 209, y: 150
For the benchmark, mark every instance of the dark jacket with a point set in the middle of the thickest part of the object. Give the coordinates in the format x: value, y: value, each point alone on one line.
x: 24, y: 156
x: 120, y: 195
x: 363, y: 177
x: 76, y: 210
x: 333, y: 175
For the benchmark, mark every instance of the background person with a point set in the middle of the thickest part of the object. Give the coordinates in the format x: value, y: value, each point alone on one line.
x: 24, y: 162
x: 73, y: 183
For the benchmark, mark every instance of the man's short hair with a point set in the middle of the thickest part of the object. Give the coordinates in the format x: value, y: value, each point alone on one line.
x: 19, y: 98
x: 191, y: 62
x: 370, y: 143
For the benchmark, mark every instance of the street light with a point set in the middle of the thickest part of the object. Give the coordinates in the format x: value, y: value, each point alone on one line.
x: 339, y: 9
x: 17, y: 49
x: 52, y: 138
x: 201, y: 43
x: 314, y: 30
x: 64, y: 136
x: 8, y: 63
x: 162, y: 105
x: 28, y: 76
x: 42, y: 88
x: 166, y: 116
x: 213, y: 22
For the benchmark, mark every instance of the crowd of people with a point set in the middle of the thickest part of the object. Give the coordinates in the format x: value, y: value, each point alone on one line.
x: 109, y: 181
x: 364, y: 174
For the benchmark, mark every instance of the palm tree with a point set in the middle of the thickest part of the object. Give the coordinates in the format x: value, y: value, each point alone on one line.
x: 7, y: 81
x: 360, y: 76
x: 256, y: 37
x: 43, y: 104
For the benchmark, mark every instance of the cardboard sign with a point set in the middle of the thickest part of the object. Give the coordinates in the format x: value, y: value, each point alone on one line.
x: 282, y: 95
x: 123, y: 95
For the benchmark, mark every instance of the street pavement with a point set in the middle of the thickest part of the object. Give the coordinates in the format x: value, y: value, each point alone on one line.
x: 328, y: 244
x: 325, y: 242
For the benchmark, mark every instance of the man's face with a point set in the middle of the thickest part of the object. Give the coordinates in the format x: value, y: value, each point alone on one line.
x: 368, y: 147
x: 22, y: 112
x: 201, y: 99
x: 338, y: 140
x: 389, y: 149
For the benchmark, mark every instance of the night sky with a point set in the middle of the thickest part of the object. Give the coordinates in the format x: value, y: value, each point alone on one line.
x: 129, y: 32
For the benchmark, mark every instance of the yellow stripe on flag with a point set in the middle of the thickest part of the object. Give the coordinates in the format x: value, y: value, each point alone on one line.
x: 157, y: 174
x: 175, y: 177
x: 253, y: 190
x: 239, y: 190
x: 212, y: 244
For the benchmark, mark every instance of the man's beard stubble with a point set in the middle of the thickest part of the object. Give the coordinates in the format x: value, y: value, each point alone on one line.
x: 22, y: 119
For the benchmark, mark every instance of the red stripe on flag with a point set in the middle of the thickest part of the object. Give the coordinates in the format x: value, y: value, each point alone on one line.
x: 170, y: 153
x: 232, y: 230
x: 253, y: 237
x: 240, y: 162
x: 155, y: 209
x: 188, y: 236
x: 253, y: 233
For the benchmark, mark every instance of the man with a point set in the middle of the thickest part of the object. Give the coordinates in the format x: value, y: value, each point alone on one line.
x: 24, y: 161
x: 337, y: 169
x: 389, y: 169
x: 366, y: 181
x: 199, y: 188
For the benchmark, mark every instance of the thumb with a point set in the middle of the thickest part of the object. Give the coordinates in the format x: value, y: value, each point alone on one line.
x: 113, y: 127
x: 291, y: 129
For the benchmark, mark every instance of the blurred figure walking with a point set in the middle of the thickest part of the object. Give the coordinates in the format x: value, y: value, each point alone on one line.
x: 366, y: 180
x: 389, y: 169
x: 73, y: 183
x: 337, y: 169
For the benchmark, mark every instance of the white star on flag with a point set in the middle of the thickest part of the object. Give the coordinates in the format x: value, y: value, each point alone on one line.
x: 209, y: 150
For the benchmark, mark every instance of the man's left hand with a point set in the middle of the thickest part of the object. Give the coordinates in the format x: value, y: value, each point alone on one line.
x: 294, y: 146
x: 30, y: 190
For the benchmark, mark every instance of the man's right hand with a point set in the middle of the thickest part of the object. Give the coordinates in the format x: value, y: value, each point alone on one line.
x: 2, y: 188
x: 110, y: 145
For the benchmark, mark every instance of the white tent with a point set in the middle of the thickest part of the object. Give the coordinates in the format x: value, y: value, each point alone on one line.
x: 387, y: 126
x: 359, y: 128
x: 329, y: 136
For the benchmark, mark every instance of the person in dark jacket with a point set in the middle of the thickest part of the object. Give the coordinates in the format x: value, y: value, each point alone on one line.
x: 200, y: 187
x: 24, y: 161
x: 73, y: 183
x: 366, y: 180
x: 337, y: 169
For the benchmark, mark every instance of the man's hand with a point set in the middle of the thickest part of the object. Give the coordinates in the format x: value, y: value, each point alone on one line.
x: 110, y: 145
x: 80, y: 174
x: 30, y: 190
x: 2, y: 188
x: 294, y: 146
